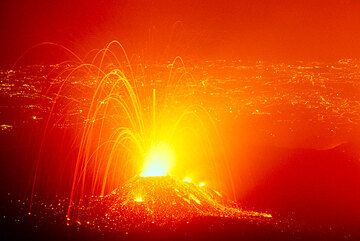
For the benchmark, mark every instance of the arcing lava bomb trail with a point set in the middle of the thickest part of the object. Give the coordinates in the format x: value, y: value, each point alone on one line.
x: 154, y: 130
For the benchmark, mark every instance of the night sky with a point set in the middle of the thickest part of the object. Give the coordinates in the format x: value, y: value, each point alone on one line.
x: 160, y: 30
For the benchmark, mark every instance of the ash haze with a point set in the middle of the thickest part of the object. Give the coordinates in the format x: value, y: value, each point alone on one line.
x: 159, y: 30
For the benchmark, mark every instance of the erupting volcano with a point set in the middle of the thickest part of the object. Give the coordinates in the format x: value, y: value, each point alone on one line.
x: 161, y: 201
x: 138, y: 138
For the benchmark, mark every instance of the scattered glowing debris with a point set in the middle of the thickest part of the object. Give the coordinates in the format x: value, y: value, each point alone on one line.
x: 168, y: 201
x: 186, y: 200
x: 202, y: 184
x: 193, y: 197
x: 219, y: 194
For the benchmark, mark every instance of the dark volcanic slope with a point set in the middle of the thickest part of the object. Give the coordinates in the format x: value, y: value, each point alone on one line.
x: 159, y: 201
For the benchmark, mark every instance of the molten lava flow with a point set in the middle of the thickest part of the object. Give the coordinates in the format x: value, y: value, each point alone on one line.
x: 159, y: 161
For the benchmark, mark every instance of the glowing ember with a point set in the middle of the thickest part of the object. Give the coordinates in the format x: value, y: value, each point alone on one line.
x: 187, y: 179
x: 202, y: 184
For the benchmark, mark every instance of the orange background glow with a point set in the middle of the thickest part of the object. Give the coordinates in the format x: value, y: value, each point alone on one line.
x: 160, y: 30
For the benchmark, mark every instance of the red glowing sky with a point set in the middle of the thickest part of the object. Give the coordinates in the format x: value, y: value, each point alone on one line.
x: 243, y: 29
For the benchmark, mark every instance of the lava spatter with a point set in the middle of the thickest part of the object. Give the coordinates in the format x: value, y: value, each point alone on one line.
x: 158, y: 201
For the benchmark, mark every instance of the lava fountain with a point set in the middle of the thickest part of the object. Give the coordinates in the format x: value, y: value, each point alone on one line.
x: 139, y: 137
x: 158, y: 161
